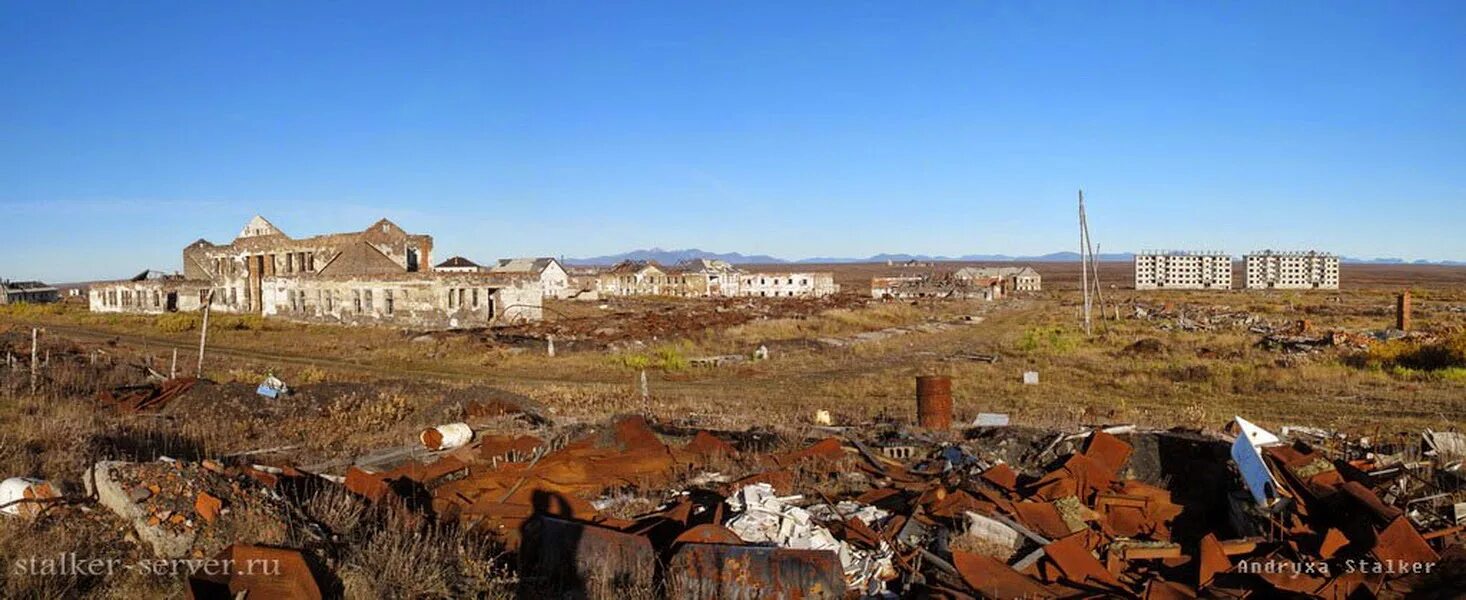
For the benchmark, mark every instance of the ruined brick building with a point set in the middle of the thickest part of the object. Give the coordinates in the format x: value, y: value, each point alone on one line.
x: 377, y: 275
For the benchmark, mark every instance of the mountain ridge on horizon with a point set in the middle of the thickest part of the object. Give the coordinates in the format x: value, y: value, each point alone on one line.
x: 669, y: 257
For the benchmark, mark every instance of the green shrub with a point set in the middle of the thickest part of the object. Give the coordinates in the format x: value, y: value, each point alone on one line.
x: 1049, y: 340
x: 176, y: 322
x: 667, y: 357
x: 1396, y: 355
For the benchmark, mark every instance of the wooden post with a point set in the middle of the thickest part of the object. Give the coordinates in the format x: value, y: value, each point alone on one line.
x: 646, y: 392
x: 35, y: 335
x: 204, y: 331
x: 1402, y: 311
x: 173, y: 367
x: 550, y: 345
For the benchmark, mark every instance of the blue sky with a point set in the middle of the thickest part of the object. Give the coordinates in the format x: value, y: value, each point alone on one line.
x: 128, y: 130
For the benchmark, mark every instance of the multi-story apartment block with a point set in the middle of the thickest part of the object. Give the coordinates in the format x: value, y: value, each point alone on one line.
x: 1310, y: 270
x: 1183, y: 270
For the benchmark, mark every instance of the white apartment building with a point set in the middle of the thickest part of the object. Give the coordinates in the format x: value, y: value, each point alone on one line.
x: 1172, y: 270
x: 1309, y: 270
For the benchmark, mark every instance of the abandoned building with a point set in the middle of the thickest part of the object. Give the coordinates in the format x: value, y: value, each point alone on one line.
x: 457, y: 264
x: 552, y: 275
x: 704, y: 278
x: 948, y: 287
x: 632, y: 278
x: 1167, y: 269
x: 812, y: 284
x: 1310, y: 270
x: 27, y: 292
x: 1015, y: 279
x: 375, y: 276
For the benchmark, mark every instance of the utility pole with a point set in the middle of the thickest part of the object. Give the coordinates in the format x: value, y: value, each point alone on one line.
x: 1084, y: 263
x: 35, y: 335
x: 1099, y: 294
x: 204, y: 331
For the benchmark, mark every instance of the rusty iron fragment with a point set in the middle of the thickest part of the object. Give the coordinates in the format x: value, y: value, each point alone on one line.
x: 708, y: 571
x: 140, y: 398
x: 257, y: 572
x: 994, y: 579
x: 1402, y: 543
x: 1212, y: 559
x: 1108, y: 451
x: 559, y: 550
x: 708, y: 533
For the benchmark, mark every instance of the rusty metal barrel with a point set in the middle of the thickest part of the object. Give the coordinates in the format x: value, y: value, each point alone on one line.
x: 934, y: 401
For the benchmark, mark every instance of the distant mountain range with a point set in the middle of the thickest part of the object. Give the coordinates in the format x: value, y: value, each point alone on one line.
x: 670, y: 257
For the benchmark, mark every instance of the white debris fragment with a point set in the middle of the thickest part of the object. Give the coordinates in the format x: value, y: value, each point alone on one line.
x: 769, y: 519
x: 992, y: 531
x: 1247, y: 453
x: 706, y: 478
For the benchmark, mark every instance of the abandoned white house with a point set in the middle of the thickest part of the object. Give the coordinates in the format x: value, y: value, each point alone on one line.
x: 377, y: 275
x: 552, y: 275
x: 1017, y: 279
x: 1268, y: 269
x: 1183, y: 270
x: 27, y: 292
x: 798, y: 284
x: 457, y: 264
x: 702, y: 278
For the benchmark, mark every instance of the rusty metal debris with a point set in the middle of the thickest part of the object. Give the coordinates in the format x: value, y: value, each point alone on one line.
x: 148, y: 397
x: 888, y: 510
x: 256, y: 572
x: 934, y: 402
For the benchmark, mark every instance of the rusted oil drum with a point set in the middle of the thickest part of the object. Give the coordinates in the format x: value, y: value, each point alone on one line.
x: 934, y: 401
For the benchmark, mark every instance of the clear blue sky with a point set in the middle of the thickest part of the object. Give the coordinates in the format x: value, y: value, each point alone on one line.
x: 130, y: 129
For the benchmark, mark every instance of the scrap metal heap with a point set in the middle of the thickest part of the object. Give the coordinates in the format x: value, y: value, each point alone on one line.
x: 998, y: 512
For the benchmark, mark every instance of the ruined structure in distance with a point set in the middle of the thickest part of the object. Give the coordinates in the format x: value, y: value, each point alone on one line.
x: 379, y: 275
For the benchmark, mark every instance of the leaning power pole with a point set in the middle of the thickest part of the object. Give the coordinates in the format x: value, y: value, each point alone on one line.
x: 1084, y: 263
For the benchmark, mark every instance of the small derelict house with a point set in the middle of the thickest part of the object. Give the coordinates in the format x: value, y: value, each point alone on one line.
x: 1015, y: 279
x: 553, y: 278
x: 375, y: 276
x: 27, y: 292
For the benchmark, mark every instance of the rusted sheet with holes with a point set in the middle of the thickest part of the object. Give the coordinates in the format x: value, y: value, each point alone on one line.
x: 564, y: 552
x: 256, y: 572
x: 720, y: 571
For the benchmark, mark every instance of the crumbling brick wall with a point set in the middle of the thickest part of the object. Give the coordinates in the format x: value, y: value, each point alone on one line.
x: 441, y: 300
x: 151, y: 296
